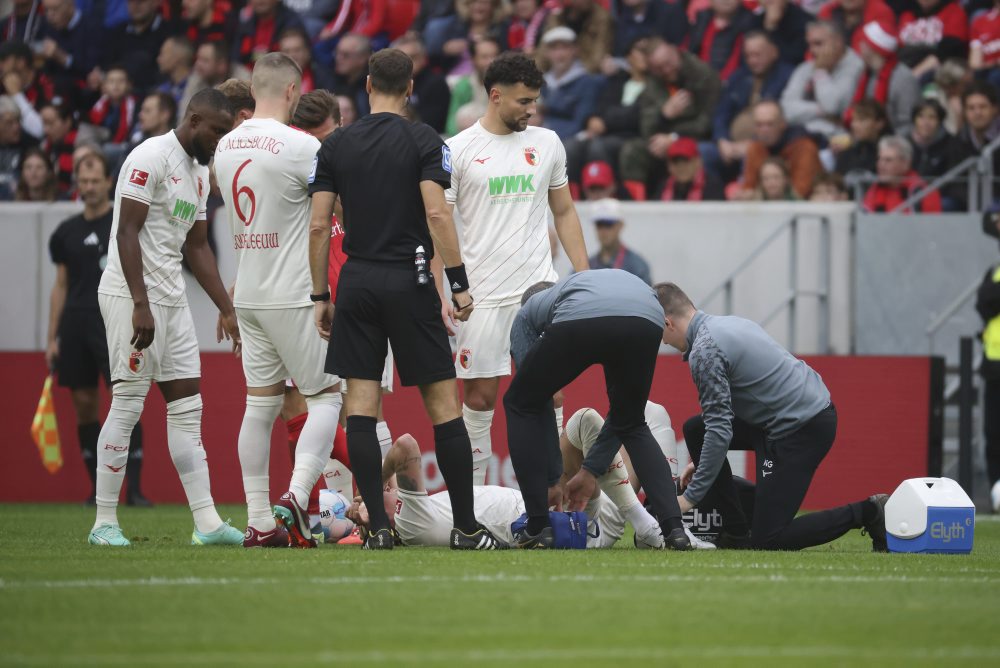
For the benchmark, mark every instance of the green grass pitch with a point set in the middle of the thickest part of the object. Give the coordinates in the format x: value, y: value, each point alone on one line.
x: 163, y: 602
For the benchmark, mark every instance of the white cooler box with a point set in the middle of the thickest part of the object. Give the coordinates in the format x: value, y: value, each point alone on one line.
x: 930, y: 515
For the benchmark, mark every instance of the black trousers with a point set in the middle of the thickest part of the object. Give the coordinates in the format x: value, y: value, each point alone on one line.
x: 785, y: 469
x: 627, y: 348
x: 991, y: 427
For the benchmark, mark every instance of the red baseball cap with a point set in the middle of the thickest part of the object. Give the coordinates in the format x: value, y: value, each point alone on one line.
x: 683, y: 147
x: 597, y: 173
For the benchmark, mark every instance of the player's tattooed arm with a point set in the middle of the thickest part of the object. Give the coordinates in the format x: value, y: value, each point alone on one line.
x: 568, y: 229
x: 131, y: 221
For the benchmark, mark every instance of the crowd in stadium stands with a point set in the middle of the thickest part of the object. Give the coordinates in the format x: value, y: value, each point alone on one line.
x: 654, y: 99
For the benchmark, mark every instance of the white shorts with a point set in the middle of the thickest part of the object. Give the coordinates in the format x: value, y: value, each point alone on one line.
x: 419, y: 520
x: 282, y: 343
x: 172, y: 355
x: 483, y: 343
x: 607, y: 527
x: 386, y: 374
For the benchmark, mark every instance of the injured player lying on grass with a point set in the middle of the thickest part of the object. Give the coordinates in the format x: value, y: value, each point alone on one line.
x: 425, y: 519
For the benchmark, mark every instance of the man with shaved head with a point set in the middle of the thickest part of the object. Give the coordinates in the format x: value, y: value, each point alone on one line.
x: 263, y: 167
x: 160, y: 214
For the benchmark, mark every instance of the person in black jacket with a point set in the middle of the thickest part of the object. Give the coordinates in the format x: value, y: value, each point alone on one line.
x: 785, y: 23
x: 648, y: 18
x: 868, y: 123
x: 137, y: 43
x: 935, y: 151
x: 616, y: 118
x: 431, y: 96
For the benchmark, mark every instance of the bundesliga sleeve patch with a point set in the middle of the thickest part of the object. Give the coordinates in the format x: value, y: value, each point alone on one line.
x: 446, y: 158
x: 312, y: 172
x: 138, y: 177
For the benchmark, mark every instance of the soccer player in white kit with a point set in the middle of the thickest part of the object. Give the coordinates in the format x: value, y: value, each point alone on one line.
x: 505, y: 178
x: 263, y: 168
x: 425, y: 519
x: 159, y: 208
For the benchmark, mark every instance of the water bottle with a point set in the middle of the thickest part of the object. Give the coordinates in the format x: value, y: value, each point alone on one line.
x: 420, y: 262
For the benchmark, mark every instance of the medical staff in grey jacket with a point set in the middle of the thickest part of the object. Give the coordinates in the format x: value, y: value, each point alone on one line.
x: 755, y: 395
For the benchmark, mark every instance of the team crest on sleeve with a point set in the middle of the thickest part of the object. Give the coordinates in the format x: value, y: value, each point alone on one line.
x: 446, y: 158
x: 531, y: 155
x: 136, y: 362
x: 138, y: 177
x: 201, y: 188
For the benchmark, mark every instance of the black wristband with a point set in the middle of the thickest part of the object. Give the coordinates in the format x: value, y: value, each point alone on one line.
x: 458, y: 281
x: 321, y: 297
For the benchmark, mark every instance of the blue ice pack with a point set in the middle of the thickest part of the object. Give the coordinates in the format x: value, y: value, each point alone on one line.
x: 569, y: 529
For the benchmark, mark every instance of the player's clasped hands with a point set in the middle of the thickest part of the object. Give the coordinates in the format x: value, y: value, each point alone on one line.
x: 228, y: 328
x: 143, y: 327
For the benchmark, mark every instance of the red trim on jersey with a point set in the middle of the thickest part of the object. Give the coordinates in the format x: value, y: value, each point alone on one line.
x: 337, y: 257
x: 986, y: 32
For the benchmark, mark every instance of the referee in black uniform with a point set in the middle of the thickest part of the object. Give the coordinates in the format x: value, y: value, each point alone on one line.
x: 77, y: 347
x: 390, y: 175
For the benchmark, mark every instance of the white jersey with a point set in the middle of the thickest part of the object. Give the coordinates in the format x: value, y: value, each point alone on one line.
x: 584, y: 426
x: 158, y: 172
x: 263, y: 168
x: 500, y: 185
x: 496, y: 508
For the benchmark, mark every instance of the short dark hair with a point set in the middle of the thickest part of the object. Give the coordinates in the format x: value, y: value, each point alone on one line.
x: 980, y: 88
x: 672, y: 299
x: 512, y: 68
x: 238, y: 93
x: 870, y: 108
x: 96, y: 156
x: 296, y: 32
x: 933, y: 105
x: 16, y: 49
x: 65, y: 111
x: 541, y: 286
x: 220, y: 49
x: 485, y: 39
x: 315, y: 107
x: 759, y: 34
x: 391, y: 71
x: 209, y: 99
x: 832, y: 179
x: 167, y: 103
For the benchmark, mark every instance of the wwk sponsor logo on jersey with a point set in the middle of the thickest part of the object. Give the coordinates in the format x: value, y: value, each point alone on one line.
x: 516, y: 188
x: 184, y: 212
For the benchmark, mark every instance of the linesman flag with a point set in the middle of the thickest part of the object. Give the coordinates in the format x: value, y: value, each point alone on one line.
x: 45, y: 431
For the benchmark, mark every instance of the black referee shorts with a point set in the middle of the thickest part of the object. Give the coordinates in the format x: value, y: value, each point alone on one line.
x: 83, y: 349
x: 380, y: 302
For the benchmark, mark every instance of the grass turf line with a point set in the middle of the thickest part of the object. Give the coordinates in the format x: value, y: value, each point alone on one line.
x: 164, y: 602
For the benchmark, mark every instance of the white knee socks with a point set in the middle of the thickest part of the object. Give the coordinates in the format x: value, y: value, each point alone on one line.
x: 190, y: 460
x: 255, y: 455
x: 478, y: 424
x: 315, y: 443
x: 127, y: 401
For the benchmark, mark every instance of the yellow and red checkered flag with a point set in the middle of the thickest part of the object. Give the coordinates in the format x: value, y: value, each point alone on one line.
x: 45, y: 431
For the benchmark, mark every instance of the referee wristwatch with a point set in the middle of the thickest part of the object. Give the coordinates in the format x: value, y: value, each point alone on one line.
x: 321, y: 297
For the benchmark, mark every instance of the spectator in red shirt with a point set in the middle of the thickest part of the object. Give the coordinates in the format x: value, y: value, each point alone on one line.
x: 208, y: 21
x: 717, y: 35
x: 60, y: 140
x: 523, y: 29
x: 898, y: 181
x: 687, y: 180
x: 115, y: 110
x: 885, y: 79
x: 932, y: 32
x: 261, y: 23
x: 852, y: 15
x: 984, y: 45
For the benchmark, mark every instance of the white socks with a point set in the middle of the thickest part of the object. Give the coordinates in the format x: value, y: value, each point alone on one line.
x: 190, y: 460
x: 127, y: 399
x: 315, y: 443
x: 384, y: 437
x: 255, y: 455
x: 478, y: 424
x: 338, y: 478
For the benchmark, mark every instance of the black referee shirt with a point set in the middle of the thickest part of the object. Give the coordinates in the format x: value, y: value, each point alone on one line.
x: 82, y: 245
x: 376, y: 165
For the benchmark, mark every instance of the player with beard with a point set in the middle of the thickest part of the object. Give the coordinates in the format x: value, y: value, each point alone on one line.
x: 160, y: 209
x: 506, y: 176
